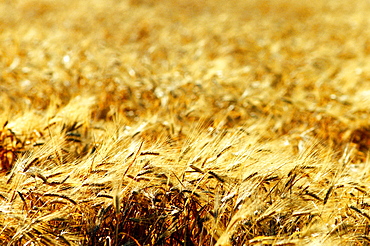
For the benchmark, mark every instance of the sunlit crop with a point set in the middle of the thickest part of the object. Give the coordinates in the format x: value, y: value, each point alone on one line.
x: 170, y: 122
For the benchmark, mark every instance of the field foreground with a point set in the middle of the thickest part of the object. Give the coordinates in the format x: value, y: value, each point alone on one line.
x: 143, y: 122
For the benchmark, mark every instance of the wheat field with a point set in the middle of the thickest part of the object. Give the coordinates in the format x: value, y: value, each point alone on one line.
x: 170, y: 122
